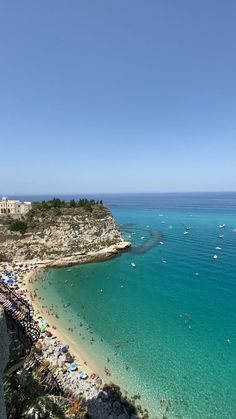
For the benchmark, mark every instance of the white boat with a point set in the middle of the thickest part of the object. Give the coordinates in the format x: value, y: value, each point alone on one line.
x: 133, y: 265
x: 218, y: 248
x: 186, y: 232
x: 221, y: 236
x: 221, y: 225
x: 215, y: 257
x: 161, y: 243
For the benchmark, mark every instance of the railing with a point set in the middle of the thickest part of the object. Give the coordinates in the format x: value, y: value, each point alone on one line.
x: 20, y: 311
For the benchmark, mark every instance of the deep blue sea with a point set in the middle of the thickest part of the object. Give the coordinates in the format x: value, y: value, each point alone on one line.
x: 168, y: 325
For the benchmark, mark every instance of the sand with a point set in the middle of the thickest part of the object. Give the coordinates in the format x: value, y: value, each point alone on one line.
x: 84, y: 361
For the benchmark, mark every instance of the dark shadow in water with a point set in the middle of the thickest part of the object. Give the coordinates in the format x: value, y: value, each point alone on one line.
x: 155, y: 238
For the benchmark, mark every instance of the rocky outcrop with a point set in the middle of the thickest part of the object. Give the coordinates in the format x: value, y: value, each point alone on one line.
x: 71, y: 235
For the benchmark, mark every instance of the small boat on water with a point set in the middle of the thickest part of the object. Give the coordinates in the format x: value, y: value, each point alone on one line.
x: 161, y: 243
x: 186, y: 232
x: 221, y: 236
x: 218, y: 248
x: 133, y: 265
x: 221, y: 225
x: 215, y: 257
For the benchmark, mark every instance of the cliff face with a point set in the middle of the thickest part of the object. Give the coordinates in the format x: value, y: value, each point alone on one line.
x: 69, y: 233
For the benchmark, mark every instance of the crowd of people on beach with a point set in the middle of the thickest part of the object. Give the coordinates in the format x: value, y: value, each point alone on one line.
x: 69, y: 372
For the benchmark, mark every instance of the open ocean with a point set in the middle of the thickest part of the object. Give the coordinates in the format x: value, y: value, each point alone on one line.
x: 172, y: 318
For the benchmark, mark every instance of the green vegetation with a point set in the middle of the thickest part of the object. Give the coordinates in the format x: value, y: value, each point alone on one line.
x: 57, y: 205
x: 18, y: 225
x: 33, y: 392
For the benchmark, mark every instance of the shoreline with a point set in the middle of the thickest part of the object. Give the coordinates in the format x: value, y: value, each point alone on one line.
x: 88, y: 380
x: 28, y: 280
x: 81, y: 258
x: 83, y: 360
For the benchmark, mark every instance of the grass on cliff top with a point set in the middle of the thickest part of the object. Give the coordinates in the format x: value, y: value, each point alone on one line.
x: 87, y: 204
x: 50, y: 210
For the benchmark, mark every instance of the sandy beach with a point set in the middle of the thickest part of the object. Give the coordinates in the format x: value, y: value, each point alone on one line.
x: 72, y: 368
x: 83, y: 360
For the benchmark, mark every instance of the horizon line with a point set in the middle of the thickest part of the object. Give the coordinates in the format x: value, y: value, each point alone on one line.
x: 111, y: 193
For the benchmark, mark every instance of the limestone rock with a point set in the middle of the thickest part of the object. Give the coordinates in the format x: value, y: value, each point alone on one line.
x: 73, y: 236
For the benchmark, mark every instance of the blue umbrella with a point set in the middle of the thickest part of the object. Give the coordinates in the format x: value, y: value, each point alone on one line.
x: 73, y: 367
x: 10, y: 281
x: 64, y: 349
x: 7, y: 272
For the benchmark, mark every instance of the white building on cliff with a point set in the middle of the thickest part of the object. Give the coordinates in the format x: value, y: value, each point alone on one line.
x: 14, y: 207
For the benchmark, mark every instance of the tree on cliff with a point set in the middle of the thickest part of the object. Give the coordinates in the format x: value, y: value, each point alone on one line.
x: 18, y: 225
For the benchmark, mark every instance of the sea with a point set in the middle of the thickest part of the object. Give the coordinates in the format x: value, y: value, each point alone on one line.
x: 162, y: 316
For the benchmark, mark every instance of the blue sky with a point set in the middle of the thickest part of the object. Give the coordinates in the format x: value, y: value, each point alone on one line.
x: 117, y: 96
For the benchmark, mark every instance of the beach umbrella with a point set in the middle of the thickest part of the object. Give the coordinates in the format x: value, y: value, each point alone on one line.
x: 39, y: 316
x: 83, y: 375
x: 42, y: 329
x: 73, y: 367
x: 64, y: 348
x: 10, y: 281
x: 7, y: 272
x: 48, y: 333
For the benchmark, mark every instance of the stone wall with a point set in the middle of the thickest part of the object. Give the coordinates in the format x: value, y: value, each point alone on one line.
x: 4, y: 354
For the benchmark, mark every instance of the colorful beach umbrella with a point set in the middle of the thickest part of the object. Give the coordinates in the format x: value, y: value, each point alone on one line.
x: 73, y: 367
x: 83, y: 375
x: 10, y: 281
x: 64, y: 348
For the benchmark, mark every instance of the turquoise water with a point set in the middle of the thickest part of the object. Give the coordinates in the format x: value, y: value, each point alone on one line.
x: 169, y: 325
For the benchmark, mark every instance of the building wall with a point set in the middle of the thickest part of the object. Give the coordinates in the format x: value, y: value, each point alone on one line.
x: 9, y: 206
x: 4, y: 351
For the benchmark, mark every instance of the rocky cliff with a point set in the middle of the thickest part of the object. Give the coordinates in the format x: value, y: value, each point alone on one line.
x: 58, y: 235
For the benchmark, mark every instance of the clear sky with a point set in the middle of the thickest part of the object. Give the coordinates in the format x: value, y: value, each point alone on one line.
x: 117, y: 96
